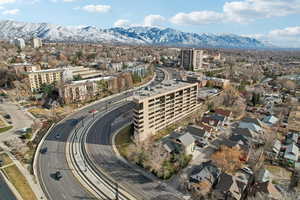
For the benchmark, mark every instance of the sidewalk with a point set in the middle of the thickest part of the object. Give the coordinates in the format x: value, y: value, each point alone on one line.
x: 32, y: 183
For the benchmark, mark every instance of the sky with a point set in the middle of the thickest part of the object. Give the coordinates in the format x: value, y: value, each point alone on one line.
x: 275, y: 21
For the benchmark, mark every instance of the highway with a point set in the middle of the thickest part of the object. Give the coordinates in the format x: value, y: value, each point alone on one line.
x: 55, y: 158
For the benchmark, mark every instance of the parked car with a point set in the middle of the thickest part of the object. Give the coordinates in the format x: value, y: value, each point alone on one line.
x: 58, y: 175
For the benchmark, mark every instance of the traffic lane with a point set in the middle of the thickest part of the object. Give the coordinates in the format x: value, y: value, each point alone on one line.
x: 5, y: 192
x: 101, y: 152
x: 54, y: 160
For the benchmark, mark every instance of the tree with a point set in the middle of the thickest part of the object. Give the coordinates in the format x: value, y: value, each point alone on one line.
x: 228, y: 159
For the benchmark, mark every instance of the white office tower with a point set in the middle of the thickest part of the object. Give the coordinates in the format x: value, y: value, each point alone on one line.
x: 36, y: 43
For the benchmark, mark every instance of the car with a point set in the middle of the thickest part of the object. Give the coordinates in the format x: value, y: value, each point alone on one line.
x: 57, y: 136
x: 7, y: 116
x: 93, y: 111
x: 58, y: 175
x: 44, y: 150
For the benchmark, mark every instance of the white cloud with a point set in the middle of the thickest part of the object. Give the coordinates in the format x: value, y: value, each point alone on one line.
x: 197, y: 18
x: 249, y: 10
x: 97, y: 8
x: 287, y: 32
x: 1, y: 8
x: 7, y: 1
x: 122, y: 23
x: 240, y: 11
x: 153, y: 20
x: 11, y: 12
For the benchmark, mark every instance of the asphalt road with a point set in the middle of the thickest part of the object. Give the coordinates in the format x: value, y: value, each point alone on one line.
x: 100, y: 149
x: 5, y: 192
x: 54, y: 159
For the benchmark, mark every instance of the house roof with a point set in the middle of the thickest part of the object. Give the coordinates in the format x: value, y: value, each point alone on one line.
x: 205, y: 127
x: 291, y: 152
x: 223, y: 112
x: 205, y: 171
x: 268, y: 188
x: 277, y: 146
x: 245, y: 132
x: 270, y: 119
x: 227, y: 184
x: 186, y: 139
x: 210, y: 121
x: 252, y: 120
x: 250, y: 125
x: 197, y: 130
x: 263, y: 175
x: 237, y: 138
x: 218, y: 117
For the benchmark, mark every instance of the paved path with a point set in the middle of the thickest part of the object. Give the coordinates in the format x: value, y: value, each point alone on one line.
x: 19, y: 118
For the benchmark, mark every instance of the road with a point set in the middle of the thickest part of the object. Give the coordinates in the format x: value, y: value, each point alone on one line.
x: 5, y: 192
x: 99, y: 146
x: 55, y: 160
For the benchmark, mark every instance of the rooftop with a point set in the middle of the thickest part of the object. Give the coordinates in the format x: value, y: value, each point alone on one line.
x: 165, y: 87
x: 92, y: 80
x: 48, y: 70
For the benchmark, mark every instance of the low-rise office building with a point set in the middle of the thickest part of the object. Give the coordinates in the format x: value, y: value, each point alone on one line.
x: 158, y: 107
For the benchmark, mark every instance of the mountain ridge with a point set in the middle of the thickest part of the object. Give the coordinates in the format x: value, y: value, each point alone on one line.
x: 139, y: 35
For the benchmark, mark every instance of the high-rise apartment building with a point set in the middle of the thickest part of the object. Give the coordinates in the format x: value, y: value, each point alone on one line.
x: 192, y: 59
x: 20, y: 42
x: 37, y: 78
x: 36, y: 43
x: 158, y: 107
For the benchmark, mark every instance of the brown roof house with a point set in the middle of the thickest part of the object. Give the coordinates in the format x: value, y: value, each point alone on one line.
x: 227, y: 188
x: 266, y: 188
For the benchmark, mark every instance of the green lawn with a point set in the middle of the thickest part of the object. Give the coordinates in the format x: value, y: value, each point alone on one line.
x: 4, y: 129
x: 19, y: 182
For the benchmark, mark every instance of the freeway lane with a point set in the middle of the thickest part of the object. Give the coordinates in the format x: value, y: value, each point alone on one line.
x: 68, y: 187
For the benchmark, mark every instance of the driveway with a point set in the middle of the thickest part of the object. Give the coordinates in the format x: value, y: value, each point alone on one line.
x: 19, y: 119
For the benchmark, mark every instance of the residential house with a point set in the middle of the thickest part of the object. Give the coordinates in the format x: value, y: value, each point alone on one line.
x: 245, y: 132
x: 250, y: 125
x: 266, y: 188
x: 270, y: 120
x: 226, y: 113
x: 253, y: 120
x: 227, y: 188
x: 208, y: 120
x: 263, y: 176
x: 291, y: 153
x: 178, y: 142
x: 245, y: 147
x: 198, y: 131
x: 292, y: 138
x: 276, y: 147
x: 206, y: 171
x: 220, y: 118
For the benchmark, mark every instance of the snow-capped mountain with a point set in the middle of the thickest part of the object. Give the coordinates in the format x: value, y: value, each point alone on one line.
x: 129, y: 35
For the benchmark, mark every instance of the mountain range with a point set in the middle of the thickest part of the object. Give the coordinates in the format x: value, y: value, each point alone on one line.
x: 124, y: 35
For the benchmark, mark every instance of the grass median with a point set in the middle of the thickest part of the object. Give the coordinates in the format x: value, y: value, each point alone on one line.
x: 20, y: 183
x: 5, y: 159
x: 4, y: 129
x: 123, y: 139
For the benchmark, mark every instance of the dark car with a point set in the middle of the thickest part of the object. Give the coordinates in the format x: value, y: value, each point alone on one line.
x: 44, y: 150
x: 7, y: 116
x: 58, y: 175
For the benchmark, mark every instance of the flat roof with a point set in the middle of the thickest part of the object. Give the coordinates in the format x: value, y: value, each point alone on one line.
x: 163, y: 88
x: 92, y: 80
x: 47, y: 70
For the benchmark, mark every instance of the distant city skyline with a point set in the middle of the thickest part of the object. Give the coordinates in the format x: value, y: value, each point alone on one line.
x: 275, y: 21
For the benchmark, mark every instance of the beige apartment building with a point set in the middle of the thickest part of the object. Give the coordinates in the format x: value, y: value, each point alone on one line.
x: 80, y: 91
x: 158, y: 107
x: 38, y: 78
